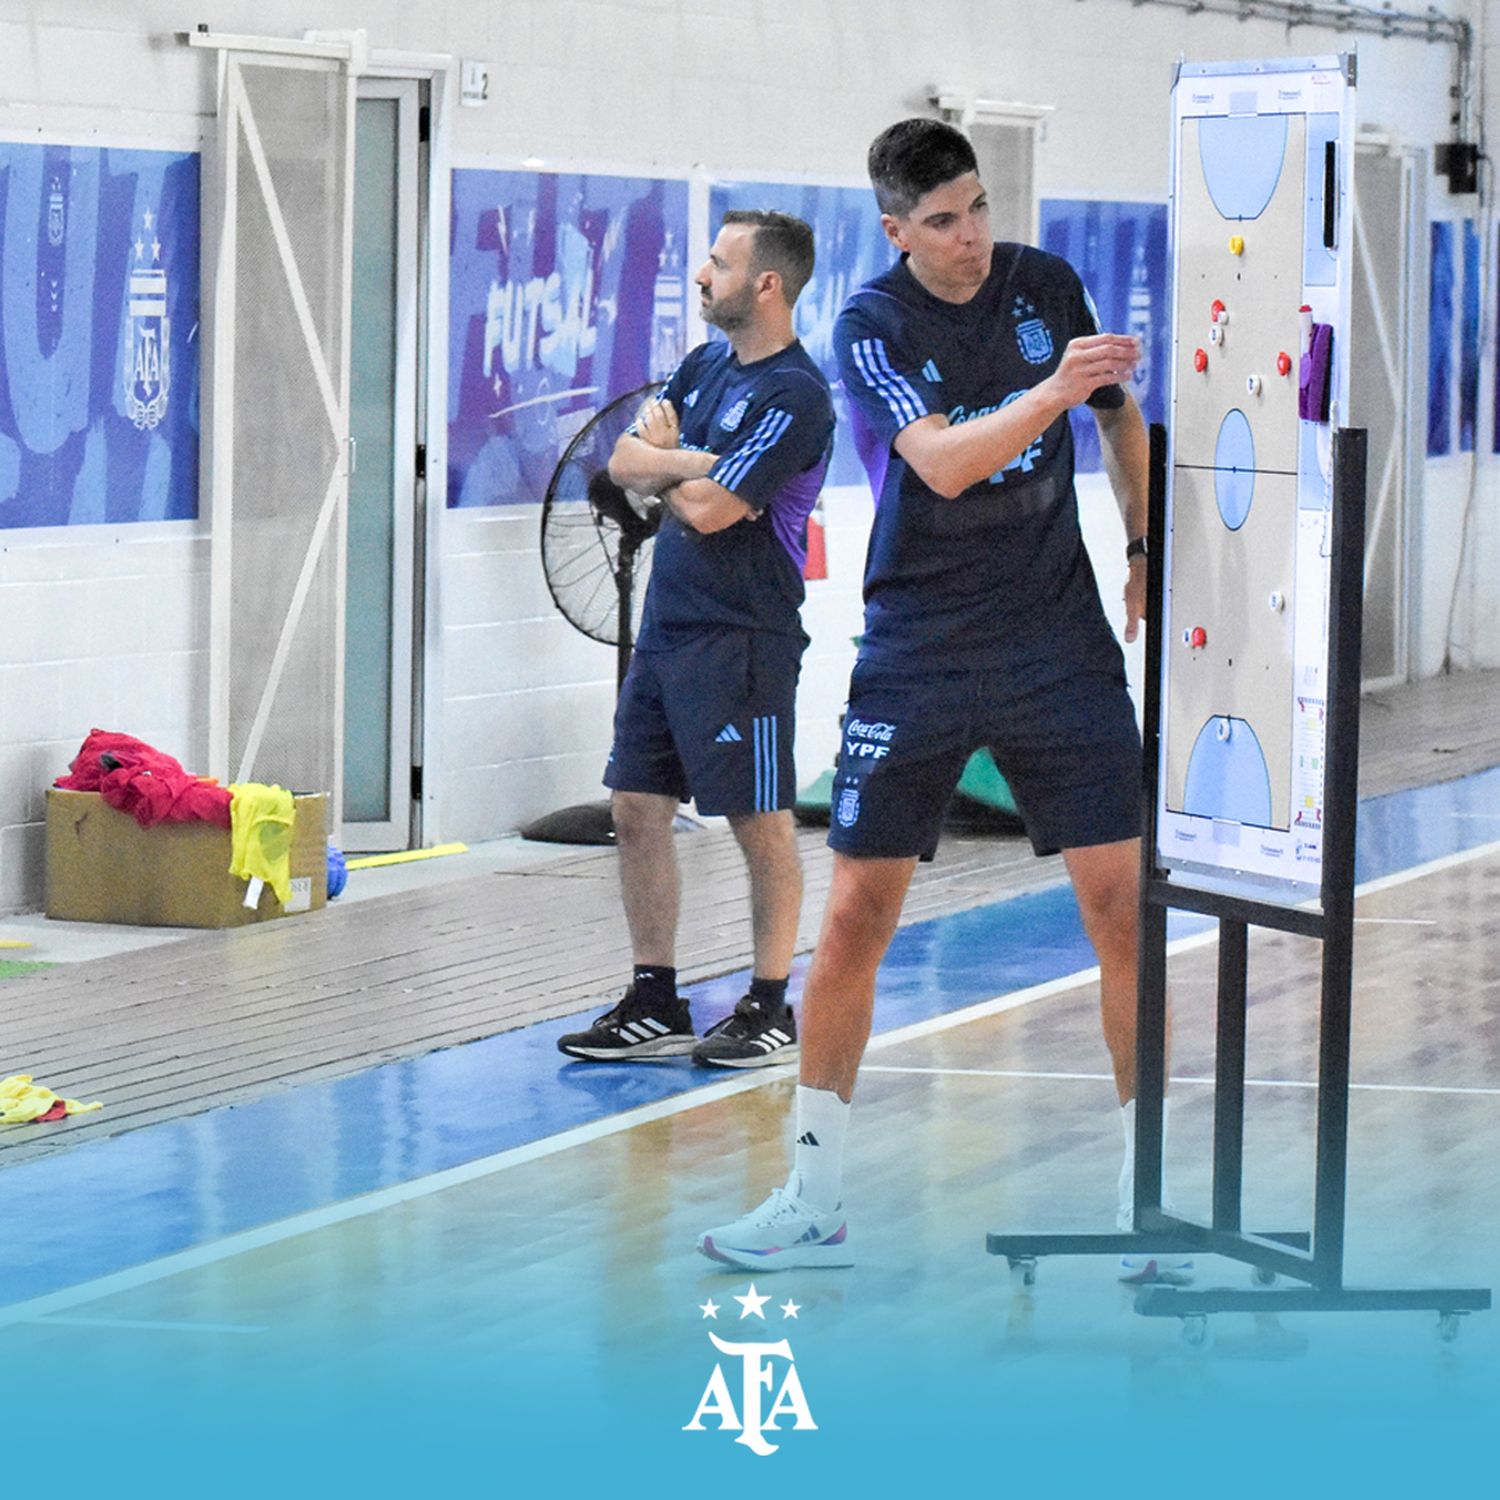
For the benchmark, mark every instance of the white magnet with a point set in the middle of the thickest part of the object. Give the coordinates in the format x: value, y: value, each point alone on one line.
x: 1222, y: 729
x: 1277, y: 601
x: 1252, y: 384
x: 1215, y: 334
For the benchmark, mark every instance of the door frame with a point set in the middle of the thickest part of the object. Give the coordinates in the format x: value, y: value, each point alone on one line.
x: 437, y: 77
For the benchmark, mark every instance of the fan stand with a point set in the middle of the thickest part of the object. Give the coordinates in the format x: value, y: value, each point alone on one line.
x: 590, y: 822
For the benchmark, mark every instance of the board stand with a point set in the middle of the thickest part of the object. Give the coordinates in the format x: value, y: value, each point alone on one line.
x: 1315, y: 1259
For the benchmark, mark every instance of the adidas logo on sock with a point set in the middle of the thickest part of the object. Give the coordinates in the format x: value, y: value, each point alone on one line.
x: 807, y: 1138
x: 728, y: 735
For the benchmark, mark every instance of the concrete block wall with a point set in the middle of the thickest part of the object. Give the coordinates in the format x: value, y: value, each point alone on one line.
x: 107, y: 630
x: 783, y: 86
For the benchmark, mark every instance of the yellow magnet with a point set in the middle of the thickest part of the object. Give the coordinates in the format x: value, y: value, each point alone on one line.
x: 1236, y: 244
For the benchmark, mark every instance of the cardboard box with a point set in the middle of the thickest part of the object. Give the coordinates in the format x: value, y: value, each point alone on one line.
x: 102, y: 866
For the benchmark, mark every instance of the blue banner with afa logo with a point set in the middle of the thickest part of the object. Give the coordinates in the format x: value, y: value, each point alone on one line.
x: 567, y: 290
x: 98, y: 335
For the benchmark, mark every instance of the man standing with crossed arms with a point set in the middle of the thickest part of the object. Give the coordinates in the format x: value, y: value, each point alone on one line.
x: 983, y: 626
x: 737, y: 447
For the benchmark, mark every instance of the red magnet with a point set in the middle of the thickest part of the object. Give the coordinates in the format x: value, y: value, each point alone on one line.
x: 1283, y: 363
x: 1200, y: 360
x: 1216, y: 310
x: 1198, y: 638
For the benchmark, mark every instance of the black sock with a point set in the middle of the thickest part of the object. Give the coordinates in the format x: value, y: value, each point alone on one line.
x: 656, y: 983
x: 768, y: 994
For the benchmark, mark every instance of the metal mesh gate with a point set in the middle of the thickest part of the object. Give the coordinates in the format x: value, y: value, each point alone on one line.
x: 281, y: 419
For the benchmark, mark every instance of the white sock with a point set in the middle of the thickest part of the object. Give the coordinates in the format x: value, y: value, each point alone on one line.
x: 818, y: 1161
x: 1127, y: 1169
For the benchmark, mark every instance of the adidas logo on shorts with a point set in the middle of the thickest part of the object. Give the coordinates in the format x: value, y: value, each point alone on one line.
x: 728, y: 735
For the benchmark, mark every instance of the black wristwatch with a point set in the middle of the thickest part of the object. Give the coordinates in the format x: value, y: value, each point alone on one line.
x: 1135, y: 549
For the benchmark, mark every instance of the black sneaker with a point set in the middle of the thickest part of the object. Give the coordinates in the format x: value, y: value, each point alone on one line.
x: 634, y: 1031
x: 749, y: 1037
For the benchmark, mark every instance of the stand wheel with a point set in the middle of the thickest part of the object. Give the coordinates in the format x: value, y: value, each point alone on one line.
x: 1195, y: 1331
x: 1263, y: 1276
x: 1448, y: 1326
x: 1022, y: 1270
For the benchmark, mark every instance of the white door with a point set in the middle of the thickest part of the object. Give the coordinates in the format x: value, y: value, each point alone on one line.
x: 384, y: 378
x: 278, y: 252
x: 1380, y: 396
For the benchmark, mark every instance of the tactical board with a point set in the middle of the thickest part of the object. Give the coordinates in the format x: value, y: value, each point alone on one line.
x: 1262, y: 255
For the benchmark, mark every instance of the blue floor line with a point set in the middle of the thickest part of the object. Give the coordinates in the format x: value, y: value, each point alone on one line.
x: 170, y: 1187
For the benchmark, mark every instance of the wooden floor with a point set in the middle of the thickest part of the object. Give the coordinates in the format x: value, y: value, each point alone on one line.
x: 223, y: 1017
x: 1004, y: 1123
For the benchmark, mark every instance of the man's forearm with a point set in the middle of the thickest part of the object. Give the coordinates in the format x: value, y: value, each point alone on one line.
x: 705, y: 505
x: 1127, y: 462
x: 951, y: 458
x: 647, y: 469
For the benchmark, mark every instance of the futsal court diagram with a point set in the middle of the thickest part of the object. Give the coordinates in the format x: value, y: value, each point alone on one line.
x: 1261, y: 302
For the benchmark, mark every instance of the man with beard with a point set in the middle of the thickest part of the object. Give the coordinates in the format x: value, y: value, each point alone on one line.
x: 736, y: 446
x: 983, y: 627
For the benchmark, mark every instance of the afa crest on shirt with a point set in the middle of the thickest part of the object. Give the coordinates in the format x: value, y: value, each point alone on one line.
x: 1034, y: 339
x: 734, y: 415
x: 847, y: 811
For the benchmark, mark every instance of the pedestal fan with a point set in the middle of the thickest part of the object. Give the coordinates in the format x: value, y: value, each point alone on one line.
x: 596, y: 556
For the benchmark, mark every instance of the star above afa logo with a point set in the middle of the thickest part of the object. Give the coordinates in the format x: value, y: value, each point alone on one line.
x: 761, y: 1362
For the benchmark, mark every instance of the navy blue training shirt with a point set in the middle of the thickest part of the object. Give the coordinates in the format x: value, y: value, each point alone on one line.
x: 977, y: 579
x: 771, y: 425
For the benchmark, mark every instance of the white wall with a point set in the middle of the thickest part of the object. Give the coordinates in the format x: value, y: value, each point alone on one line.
x: 778, y: 86
x: 100, y: 627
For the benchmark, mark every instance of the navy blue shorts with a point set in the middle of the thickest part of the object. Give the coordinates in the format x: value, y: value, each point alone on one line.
x: 1066, y: 744
x: 713, y: 721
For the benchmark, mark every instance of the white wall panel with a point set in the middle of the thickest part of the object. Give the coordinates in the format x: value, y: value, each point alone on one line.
x: 111, y: 624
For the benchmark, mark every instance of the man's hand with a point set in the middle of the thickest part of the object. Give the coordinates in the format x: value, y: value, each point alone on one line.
x: 1135, y: 597
x: 657, y: 424
x: 1091, y: 363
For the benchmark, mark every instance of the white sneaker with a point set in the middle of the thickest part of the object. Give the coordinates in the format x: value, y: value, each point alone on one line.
x: 783, y: 1233
x: 1148, y: 1270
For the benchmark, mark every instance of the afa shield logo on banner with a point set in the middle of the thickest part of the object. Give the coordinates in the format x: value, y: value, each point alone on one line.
x: 148, y: 333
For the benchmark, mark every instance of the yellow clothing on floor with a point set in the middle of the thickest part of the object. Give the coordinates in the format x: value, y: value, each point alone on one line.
x: 261, y: 819
x: 21, y: 1101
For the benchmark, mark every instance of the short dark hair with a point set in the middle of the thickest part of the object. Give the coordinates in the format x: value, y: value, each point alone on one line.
x: 911, y: 158
x: 783, y: 243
